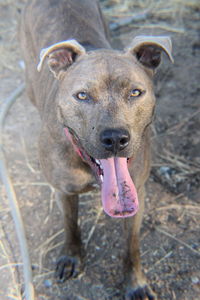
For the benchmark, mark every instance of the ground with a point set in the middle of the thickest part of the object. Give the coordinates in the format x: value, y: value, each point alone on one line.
x: 170, y: 240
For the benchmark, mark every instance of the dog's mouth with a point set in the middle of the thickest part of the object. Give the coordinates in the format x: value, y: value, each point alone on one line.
x: 118, y: 192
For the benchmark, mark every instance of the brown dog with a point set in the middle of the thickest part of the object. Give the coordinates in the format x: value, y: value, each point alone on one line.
x: 96, y: 105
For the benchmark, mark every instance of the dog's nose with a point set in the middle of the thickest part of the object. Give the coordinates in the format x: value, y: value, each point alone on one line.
x: 114, y: 140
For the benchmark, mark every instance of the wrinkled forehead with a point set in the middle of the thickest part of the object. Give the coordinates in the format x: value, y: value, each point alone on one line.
x: 108, y: 67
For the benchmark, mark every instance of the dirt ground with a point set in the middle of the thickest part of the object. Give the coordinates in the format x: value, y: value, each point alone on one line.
x: 170, y: 236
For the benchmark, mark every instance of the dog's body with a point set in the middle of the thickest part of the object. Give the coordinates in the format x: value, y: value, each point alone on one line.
x: 95, y: 117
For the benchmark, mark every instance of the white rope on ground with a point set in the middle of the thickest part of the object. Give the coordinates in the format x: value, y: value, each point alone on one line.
x: 16, y: 215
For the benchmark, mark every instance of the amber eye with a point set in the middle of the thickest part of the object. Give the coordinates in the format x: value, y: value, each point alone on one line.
x: 135, y: 93
x: 82, y: 96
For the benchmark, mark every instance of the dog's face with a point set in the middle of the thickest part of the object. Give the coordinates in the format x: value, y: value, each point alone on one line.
x: 105, y: 103
x: 103, y: 95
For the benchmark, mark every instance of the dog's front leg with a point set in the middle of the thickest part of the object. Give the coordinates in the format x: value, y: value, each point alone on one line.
x: 69, y: 261
x: 137, y: 288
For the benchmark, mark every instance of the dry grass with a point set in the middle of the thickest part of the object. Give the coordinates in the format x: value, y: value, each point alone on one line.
x: 149, y: 14
x: 169, y: 16
x: 186, y: 168
x: 178, y: 240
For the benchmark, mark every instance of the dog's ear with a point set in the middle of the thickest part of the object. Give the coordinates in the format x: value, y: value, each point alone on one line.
x: 60, y: 56
x: 148, y: 49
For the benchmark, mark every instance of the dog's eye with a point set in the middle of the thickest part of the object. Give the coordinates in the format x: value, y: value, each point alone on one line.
x: 135, y: 93
x: 82, y: 96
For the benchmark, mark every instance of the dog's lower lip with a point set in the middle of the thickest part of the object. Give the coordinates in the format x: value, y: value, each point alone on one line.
x: 92, y: 162
x: 73, y: 133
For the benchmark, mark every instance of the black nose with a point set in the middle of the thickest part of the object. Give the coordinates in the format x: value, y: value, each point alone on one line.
x: 115, y: 140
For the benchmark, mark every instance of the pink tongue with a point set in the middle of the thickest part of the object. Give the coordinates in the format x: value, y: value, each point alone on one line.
x: 119, y: 196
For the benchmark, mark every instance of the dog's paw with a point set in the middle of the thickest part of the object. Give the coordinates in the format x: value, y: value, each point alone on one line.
x: 67, y: 267
x: 140, y: 293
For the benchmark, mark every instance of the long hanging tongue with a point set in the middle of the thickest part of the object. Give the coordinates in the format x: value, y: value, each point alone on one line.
x: 119, y: 196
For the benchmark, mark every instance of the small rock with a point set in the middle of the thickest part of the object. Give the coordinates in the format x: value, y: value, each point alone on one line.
x: 22, y: 64
x: 195, y: 280
x: 47, y: 283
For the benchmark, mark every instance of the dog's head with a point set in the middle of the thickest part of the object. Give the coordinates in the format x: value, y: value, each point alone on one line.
x: 105, y: 103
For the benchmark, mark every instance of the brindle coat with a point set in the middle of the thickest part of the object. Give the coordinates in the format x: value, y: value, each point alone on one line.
x: 109, y: 76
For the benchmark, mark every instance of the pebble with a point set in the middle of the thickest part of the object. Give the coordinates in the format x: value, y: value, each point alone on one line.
x: 195, y: 280
x: 47, y: 283
x: 21, y: 64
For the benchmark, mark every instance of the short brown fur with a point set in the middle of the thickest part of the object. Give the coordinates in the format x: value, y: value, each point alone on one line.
x: 109, y: 75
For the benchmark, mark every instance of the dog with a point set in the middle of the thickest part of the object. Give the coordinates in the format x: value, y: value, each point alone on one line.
x: 96, y: 105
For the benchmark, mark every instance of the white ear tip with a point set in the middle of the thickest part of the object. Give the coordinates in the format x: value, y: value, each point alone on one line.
x: 39, y: 66
x: 43, y: 54
x: 69, y: 43
x: 163, y: 41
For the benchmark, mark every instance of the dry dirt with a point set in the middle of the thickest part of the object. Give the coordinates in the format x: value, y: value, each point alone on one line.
x: 170, y: 238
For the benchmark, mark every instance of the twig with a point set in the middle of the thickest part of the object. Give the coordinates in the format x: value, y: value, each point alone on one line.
x: 50, y: 205
x: 174, y: 128
x: 160, y: 260
x: 43, y: 250
x: 93, y: 228
x: 127, y: 20
x: 26, y: 156
x: 43, y: 275
x: 177, y: 240
x: 161, y: 26
x: 176, y: 206
x: 11, y: 270
x: 47, y: 250
x: 10, y: 265
x: 186, y: 166
x: 49, y: 240
x: 181, y: 124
